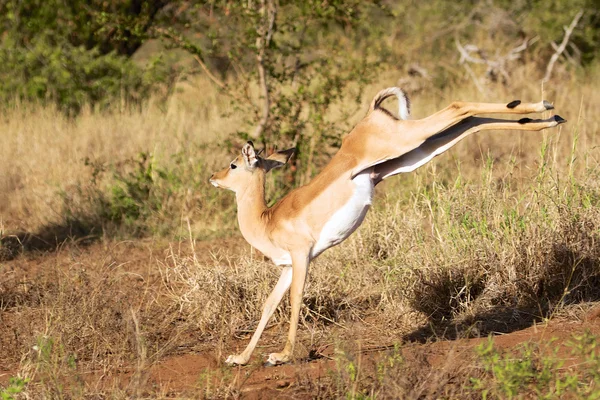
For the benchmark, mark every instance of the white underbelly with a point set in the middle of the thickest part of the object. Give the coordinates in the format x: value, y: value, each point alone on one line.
x: 345, y: 220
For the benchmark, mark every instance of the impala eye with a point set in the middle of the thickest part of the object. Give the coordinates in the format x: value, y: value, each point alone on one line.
x: 232, y: 166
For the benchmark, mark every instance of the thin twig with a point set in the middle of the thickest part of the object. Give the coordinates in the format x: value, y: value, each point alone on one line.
x: 268, y: 12
x: 465, y: 54
x: 195, y: 51
x: 563, y: 45
x: 213, y: 78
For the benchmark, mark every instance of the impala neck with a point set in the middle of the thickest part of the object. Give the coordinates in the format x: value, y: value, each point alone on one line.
x: 252, y: 206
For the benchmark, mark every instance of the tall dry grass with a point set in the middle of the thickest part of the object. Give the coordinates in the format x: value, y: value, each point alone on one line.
x: 44, y: 151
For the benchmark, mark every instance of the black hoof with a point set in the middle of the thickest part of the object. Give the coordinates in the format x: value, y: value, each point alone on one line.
x: 513, y: 103
x: 548, y: 105
x: 270, y: 364
x: 559, y: 119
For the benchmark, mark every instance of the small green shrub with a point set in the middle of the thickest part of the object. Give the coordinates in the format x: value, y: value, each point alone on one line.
x: 16, y: 385
x: 141, y: 196
x: 536, y: 371
x: 59, y: 52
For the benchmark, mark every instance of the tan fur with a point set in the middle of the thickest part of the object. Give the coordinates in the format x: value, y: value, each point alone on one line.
x: 379, y: 143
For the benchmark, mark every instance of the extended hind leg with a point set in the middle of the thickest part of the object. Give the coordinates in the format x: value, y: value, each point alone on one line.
x: 444, y: 140
x: 458, y: 111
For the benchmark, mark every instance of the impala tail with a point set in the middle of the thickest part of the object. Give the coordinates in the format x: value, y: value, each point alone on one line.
x: 403, y: 102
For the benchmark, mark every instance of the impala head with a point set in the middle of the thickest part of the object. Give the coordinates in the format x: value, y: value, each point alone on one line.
x: 248, y: 166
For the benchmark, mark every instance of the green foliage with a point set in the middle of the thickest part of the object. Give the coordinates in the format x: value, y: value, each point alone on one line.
x: 79, y: 23
x: 54, y: 51
x: 532, y: 370
x: 139, y: 197
x: 71, y: 76
x: 133, y: 195
x: 512, y: 374
x: 16, y: 385
x: 587, y: 347
x: 547, y: 19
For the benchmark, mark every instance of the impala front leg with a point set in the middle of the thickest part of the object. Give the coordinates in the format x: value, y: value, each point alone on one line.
x: 300, y: 268
x: 270, y: 305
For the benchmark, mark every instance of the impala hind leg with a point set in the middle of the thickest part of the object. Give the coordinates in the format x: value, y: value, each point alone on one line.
x: 271, y: 304
x: 459, y: 111
x: 443, y: 141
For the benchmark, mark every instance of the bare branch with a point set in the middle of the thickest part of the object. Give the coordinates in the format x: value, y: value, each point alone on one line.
x: 496, y: 67
x: 576, y: 53
x: 465, y: 53
x: 559, y: 50
x: 213, y: 78
x: 196, y: 52
x: 478, y: 84
x: 515, y: 53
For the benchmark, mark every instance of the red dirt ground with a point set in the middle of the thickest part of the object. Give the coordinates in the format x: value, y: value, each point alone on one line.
x: 181, y: 373
x: 198, y: 369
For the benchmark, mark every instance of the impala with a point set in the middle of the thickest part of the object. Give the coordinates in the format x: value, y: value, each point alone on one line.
x: 321, y: 214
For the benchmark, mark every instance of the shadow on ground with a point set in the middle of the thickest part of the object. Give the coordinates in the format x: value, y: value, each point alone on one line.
x: 568, y: 274
x: 499, y: 320
x: 48, y: 239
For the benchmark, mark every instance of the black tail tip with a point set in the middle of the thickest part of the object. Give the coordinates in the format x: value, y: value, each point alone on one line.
x: 559, y: 119
x: 548, y: 105
x: 513, y: 103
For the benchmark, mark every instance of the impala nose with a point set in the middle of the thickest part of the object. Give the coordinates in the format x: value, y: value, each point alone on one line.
x: 212, y: 181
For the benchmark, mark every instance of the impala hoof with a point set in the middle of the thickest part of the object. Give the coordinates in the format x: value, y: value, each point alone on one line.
x: 277, y: 359
x: 270, y: 363
x: 236, y: 360
x: 559, y: 120
x: 548, y: 105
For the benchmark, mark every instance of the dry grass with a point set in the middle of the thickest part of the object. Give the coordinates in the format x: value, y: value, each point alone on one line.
x: 499, y: 233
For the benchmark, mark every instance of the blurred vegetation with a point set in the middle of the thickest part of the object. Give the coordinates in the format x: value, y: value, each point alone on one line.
x: 315, y: 54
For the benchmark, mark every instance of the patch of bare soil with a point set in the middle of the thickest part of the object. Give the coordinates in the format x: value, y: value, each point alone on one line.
x: 189, y: 373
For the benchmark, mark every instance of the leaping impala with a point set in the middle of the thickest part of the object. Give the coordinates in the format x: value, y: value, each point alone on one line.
x: 321, y: 214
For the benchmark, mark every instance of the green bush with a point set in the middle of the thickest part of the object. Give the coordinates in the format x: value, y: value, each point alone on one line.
x: 70, y: 76
x: 539, y: 372
x: 58, y: 52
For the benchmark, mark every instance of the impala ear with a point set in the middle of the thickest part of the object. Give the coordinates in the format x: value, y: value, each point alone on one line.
x: 249, y: 155
x: 278, y: 159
